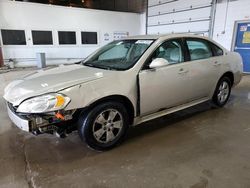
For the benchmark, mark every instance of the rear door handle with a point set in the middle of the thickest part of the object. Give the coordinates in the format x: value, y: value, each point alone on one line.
x: 182, y: 71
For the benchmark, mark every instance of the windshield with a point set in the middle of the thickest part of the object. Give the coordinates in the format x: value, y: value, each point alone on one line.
x: 118, y: 55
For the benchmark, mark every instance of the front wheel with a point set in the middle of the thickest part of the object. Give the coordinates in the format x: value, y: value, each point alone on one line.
x: 104, y: 126
x: 222, y: 92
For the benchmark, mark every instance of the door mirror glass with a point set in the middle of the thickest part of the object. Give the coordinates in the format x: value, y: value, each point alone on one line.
x: 158, y: 62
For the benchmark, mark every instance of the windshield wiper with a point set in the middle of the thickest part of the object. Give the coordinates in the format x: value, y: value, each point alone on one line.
x: 98, y: 66
x: 88, y: 64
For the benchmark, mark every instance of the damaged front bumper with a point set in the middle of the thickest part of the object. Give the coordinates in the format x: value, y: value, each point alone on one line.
x: 40, y: 123
x: 19, y: 121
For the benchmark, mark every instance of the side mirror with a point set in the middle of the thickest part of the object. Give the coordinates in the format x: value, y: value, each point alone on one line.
x: 158, y: 62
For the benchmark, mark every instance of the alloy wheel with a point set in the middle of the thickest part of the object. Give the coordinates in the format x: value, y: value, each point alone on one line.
x: 223, y: 92
x: 107, y: 126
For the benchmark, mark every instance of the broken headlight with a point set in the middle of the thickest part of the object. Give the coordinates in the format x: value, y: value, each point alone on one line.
x: 44, y: 103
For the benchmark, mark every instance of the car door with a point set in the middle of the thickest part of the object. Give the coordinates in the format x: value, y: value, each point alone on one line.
x: 204, y: 67
x: 166, y: 86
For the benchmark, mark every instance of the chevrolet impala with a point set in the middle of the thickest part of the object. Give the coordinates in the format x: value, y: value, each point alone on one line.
x: 124, y: 83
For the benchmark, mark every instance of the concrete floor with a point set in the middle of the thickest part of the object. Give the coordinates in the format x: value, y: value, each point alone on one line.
x: 196, y: 148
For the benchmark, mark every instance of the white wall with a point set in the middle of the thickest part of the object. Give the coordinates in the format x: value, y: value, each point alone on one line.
x: 224, y: 25
x: 33, y: 16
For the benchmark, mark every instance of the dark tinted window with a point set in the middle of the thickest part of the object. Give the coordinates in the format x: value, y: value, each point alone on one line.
x: 89, y: 37
x: 67, y: 37
x: 199, y: 49
x: 217, y: 50
x: 42, y: 37
x: 13, y: 37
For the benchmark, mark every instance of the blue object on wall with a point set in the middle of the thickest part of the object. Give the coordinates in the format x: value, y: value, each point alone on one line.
x: 242, y: 44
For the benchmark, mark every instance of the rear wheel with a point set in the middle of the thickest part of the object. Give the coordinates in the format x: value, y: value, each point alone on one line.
x: 104, y: 126
x: 222, y: 92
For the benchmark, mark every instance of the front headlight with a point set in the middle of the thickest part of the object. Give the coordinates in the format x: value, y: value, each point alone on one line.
x: 44, y: 103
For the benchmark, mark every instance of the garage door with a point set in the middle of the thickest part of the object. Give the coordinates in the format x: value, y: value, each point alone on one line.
x: 180, y: 16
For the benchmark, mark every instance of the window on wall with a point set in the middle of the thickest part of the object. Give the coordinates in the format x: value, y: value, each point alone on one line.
x: 42, y: 37
x: 67, y: 37
x: 13, y: 37
x: 89, y: 37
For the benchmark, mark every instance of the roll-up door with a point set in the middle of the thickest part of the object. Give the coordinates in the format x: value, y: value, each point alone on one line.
x: 180, y: 16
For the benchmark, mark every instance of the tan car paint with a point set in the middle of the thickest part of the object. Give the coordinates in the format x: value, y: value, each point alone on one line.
x: 85, y: 85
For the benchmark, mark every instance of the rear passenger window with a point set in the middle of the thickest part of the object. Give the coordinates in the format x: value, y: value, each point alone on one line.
x: 199, y: 49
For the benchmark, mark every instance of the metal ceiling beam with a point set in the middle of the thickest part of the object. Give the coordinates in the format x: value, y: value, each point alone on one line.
x: 137, y: 6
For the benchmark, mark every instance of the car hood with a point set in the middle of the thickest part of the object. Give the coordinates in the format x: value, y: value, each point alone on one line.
x: 52, y: 80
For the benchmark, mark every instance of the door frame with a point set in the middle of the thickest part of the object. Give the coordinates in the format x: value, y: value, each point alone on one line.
x: 235, y: 32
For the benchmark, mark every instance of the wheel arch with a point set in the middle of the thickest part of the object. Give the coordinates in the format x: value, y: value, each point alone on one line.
x: 230, y: 75
x: 116, y: 98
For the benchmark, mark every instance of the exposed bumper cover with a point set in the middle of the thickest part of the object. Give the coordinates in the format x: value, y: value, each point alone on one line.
x: 19, y: 121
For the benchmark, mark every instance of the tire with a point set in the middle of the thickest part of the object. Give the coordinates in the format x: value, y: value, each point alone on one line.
x: 104, y: 126
x: 222, y: 92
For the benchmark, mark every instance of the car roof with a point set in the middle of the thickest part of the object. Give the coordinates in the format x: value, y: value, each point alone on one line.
x: 154, y: 37
x: 169, y: 36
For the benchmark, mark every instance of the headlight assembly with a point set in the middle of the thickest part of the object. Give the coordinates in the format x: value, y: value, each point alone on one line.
x: 44, y: 103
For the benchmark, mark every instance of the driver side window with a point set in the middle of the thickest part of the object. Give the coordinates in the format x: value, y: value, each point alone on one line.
x: 170, y: 51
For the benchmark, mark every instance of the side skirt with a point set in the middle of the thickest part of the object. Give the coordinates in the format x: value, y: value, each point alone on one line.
x: 142, y: 119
